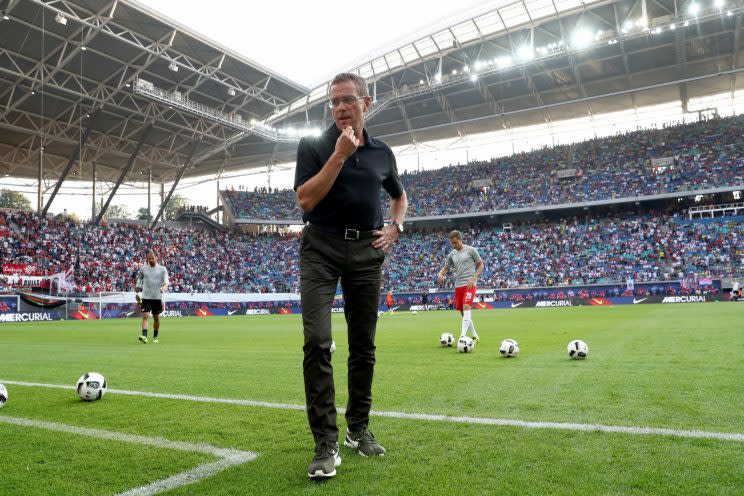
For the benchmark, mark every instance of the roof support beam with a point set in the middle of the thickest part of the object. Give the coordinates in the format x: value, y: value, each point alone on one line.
x: 169, y: 54
x: 70, y: 163
x: 735, y: 54
x: 173, y: 187
x: 681, y: 39
x: 548, y: 106
x: 124, y: 173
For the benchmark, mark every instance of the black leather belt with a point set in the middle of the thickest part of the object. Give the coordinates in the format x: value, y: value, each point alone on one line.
x: 347, y: 234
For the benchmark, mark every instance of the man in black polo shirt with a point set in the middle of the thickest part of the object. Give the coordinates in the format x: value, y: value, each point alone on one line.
x: 338, y: 181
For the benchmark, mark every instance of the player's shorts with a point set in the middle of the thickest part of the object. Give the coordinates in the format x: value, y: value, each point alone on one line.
x: 464, y: 296
x: 154, y: 307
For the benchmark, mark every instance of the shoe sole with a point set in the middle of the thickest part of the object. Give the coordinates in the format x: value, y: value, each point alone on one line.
x: 142, y: 341
x: 319, y: 474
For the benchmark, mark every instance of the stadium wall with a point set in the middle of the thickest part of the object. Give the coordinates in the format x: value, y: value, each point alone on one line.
x: 32, y: 307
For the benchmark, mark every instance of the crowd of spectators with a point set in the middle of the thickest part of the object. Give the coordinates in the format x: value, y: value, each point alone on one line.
x: 193, y: 209
x: 648, y: 247
x: 263, y: 203
x: 701, y: 155
x: 109, y: 255
x: 576, y: 252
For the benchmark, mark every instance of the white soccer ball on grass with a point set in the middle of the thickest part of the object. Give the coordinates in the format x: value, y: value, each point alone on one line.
x: 509, y: 348
x: 3, y: 395
x: 577, y: 349
x: 465, y: 345
x: 91, y: 386
x: 446, y: 339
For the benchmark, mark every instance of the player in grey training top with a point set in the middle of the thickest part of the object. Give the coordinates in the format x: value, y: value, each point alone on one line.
x: 467, y: 265
x: 152, y: 279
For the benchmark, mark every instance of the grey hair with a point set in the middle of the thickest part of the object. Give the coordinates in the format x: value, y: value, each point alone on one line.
x: 359, y: 82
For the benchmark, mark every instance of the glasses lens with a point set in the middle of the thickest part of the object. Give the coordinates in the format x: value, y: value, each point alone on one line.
x: 346, y: 100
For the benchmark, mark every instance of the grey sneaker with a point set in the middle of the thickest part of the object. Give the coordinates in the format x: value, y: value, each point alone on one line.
x: 326, y: 459
x: 364, y: 442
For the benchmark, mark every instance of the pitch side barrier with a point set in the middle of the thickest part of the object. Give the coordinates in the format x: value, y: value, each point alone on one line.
x: 36, y: 307
x: 665, y: 292
x: 578, y: 302
x: 40, y: 308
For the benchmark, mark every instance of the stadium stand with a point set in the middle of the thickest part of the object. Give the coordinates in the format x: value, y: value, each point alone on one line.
x: 647, y: 247
x: 690, y: 157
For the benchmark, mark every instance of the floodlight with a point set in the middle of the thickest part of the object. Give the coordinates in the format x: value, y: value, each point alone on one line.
x: 173, y: 67
x: 231, y: 91
x: 61, y: 19
x: 525, y: 52
x: 582, y: 38
x: 694, y: 8
x: 503, y: 62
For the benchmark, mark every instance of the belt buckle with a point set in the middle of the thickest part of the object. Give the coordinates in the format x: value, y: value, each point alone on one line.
x: 351, y: 234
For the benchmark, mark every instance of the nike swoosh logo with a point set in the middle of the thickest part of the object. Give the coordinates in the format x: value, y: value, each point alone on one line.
x: 85, y: 315
x: 230, y: 312
x: 395, y: 308
x: 515, y: 305
x: 598, y: 302
x: 128, y: 314
x: 639, y: 301
x: 202, y: 312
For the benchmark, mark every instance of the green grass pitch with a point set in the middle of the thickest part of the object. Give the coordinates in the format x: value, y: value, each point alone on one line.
x: 675, y: 367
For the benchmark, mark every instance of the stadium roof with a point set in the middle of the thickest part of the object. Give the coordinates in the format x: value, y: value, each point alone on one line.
x: 63, y: 61
x: 136, y: 73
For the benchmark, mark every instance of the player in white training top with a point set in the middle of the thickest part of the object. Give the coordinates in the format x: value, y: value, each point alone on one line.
x: 467, y: 266
x: 152, y: 279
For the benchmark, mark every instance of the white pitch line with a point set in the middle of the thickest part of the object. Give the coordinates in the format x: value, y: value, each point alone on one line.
x: 183, y: 397
x: 524, y: 424
x: 227, y: 457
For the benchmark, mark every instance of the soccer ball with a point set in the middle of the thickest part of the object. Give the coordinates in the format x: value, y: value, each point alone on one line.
x: 509, y: 348
x: 91, y: 386
x: 577, y: 349
x: 446, y: 339
x: 3, y: 395
x: 333, y: 346
x: 465, y: 345
x: 413, y: 312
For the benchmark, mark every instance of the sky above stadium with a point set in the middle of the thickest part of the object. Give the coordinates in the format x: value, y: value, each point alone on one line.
x: 311, y: 41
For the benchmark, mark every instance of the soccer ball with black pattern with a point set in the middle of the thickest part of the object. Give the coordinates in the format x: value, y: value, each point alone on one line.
x: 577, y: 349
x: 3, y: 395
x: 446, y: 339
x: 465, y: 345
x: 333, y: 346
x: 91, y: 386
x: 509, y: 348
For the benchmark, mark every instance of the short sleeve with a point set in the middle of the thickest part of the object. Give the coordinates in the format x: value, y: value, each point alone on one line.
x: 392, y: 183
x: 307, y: 162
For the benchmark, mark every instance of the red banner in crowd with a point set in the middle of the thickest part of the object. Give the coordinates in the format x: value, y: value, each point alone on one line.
x: 20, y: 269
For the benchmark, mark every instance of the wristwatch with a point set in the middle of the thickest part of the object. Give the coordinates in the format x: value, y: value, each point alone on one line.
x: 398, y: 226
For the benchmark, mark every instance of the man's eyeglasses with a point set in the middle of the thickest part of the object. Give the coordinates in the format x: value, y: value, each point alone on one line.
x: 346, y: 100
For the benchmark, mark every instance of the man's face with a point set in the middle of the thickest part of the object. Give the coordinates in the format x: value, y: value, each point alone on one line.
x: 151, y: 259
x: 348, y: 114
x: 456, y: 242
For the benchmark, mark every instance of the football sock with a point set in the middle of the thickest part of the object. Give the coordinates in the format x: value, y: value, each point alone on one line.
x: 144, y: 332
x: 465, y: 323
x: 472, y: 328
x: 155, y: 334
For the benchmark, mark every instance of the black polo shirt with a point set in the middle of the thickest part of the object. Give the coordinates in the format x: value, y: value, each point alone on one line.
x: 354, y: 201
